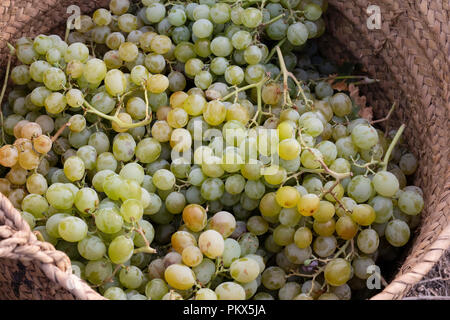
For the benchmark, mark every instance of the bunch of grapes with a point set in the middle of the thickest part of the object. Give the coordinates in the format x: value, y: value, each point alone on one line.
x: 195, y: 150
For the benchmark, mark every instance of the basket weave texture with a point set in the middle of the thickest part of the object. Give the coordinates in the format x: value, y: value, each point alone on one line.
x: 410, y: 54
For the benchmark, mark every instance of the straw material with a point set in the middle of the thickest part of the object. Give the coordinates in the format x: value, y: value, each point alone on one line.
x: 409, y: 54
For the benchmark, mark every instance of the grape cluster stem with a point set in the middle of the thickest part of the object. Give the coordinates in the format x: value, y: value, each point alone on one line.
x: 116, y: 119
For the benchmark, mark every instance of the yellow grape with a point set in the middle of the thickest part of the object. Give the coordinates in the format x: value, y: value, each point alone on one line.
x: 42, y: 144
x: 211, y: 243
x: 8, y: 155
x: 157, y: 83
x: 177, y: 99
x: 287, y: 197
x: 325, y: 212
x: 303, y: 237
x: 275, y: 174
x: 215, y: 113
x: 177, y: 118
x: 363, y: 214
x: 289, y: 149
x: 308, y: 204
x: 192, y: 256
x: 179, y: 276
x: 180, y: 240
x: 194, y: 104
x: 285, y: 131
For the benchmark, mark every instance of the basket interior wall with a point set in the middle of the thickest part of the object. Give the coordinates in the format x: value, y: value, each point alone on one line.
x: 26, y: 281
x: 409, y: 55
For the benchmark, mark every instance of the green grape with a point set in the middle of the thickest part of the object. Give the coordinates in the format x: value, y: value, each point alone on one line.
x: 324, y: 246
x: 277, y: 30
x: 60, y: 196
x: 37, y: 184
x: 303, y: 237
x: 202, y: 28
x: 204, y: 271
x: 155, y: 12
x: 231, y: 252
x: 283, y: 235
x: 221, y: 46
x: 234, y: 75
x: 131, y: 210
x: 115, y: 82
x: 175, y: 202
x: 86, y: 200
x: 360, y: 189
x: 212, y: 189
x: 131, y: 277
x: 310, y: 157
x: 230, y: 291
x: 36, y: 71
x: 106, y: 161
x: 201, y: 11
x: 368, y: 241
x: 361, y: 266
x: 408, y: 163
x: 313, y: 11
x: 54, y: 79
x: 337, y: 272
x: 254, y: 73
x: 98, y: 271
x: 410, y: 202
x: 55, y: 103
x: 35, y: 204
x: 74, y: 168
x: 91, y: 248
x: 218, y: 65
x: 108, y: 220
x: 251, y: 17
x: 148, y: 150
x: 52, y: 224
x: 297, y: 255
x: 363, y: 214
x: 287, y: 197
x: 244, y: 270
x: 297, y: 33
x: 203, y: 80
x: 124, y: 147
x: 72, y: 229
x: 273, y: 278
x: 364, y: 136
x: 163, y: 179
x: 289, y: 291
x: 257, y: 225
x: 345, y: 148
x: 120, y: 249
x: 115, y: 293
x: 254, y: 189
x: 205, y: 294
x: 94, y: 71
x: 155, y: 289
x: 241, y: 39
x: 133, y: 171
x: 397, y: 233
x: 383, y: 208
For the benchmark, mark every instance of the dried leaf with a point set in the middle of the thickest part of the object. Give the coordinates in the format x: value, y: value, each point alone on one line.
x: 365, y: 111
x: 331, y: 78
x: 340, y: 86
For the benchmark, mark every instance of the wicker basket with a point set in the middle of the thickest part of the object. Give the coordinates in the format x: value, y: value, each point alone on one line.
x: 410, y: 54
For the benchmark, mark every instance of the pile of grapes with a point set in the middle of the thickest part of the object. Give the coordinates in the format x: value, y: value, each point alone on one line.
x: 196, y: 150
